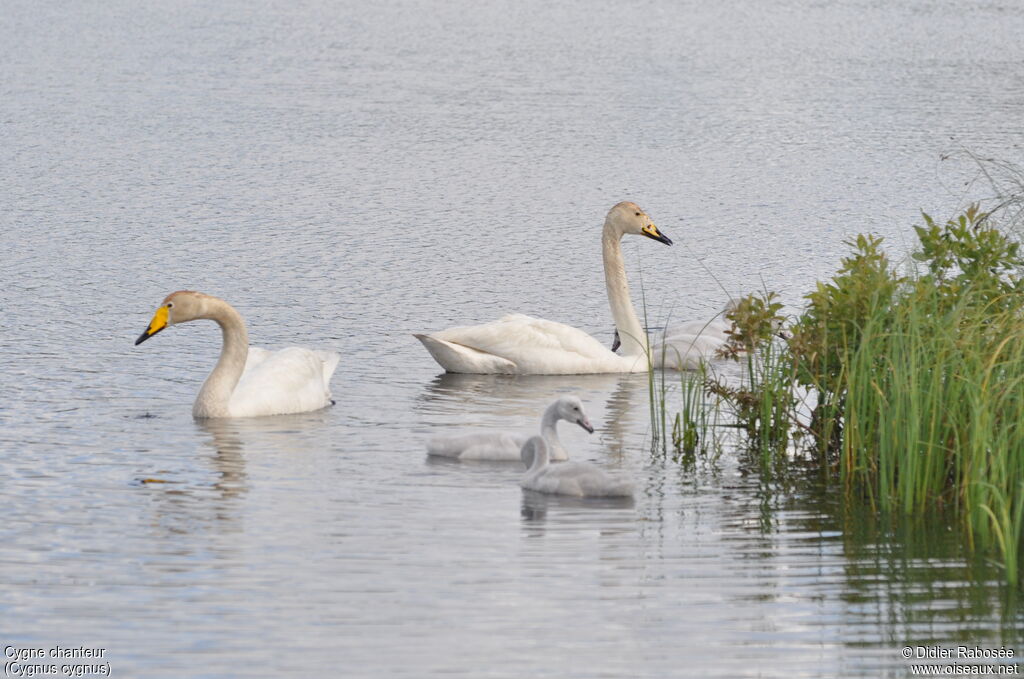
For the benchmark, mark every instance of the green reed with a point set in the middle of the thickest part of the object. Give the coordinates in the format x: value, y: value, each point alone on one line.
x: 934, y: 416
x: 911, y: 387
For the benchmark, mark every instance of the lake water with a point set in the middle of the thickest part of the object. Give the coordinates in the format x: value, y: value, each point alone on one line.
x: 347, y: 174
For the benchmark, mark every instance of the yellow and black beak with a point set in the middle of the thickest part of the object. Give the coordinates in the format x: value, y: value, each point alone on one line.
x: 651, y: 231
x: 158, y: 323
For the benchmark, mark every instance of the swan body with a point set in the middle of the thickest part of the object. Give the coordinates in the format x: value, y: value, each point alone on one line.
x: 504, y: 446
x: 248, y: 381
x: 508, y: 446
x: 686, y: 345
x: 578, y: 479
x: 518, y: 344
x: 716, y: 328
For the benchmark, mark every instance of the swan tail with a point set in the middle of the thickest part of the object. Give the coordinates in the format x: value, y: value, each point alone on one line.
x: 330, y: 360
x: 451, y: 446
x: 445, y: 447
x: 620, y: 489
x: 458, y: 358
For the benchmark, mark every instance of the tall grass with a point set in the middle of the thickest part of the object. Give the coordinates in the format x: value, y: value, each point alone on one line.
x: 916, y: 382
x: 692, y: 431
x: 934, y: 416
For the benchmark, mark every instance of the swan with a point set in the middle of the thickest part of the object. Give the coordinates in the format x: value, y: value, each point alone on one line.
x: 507, y: 446
x: 703, y: 337
x: 247, y: 381
x: 568, y: 478
x: 681, y: 346
x: 518, y: 344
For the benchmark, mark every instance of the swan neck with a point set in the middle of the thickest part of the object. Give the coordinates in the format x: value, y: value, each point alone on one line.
x: 549, y: 430
x: 631, y: 333
x: 214, y: 398
x: 539, y: 454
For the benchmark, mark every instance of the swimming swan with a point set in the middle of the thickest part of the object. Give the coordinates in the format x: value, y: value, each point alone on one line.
x: 568, y: 478
x: 681, y: 346
x: 507, y: 446
x: 692, y: 338
x: 247, y: 381
x: 518, y: 344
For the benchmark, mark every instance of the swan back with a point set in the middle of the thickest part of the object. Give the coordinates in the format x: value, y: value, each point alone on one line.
x: 291, y: 380
x: 481, y: 446
x: 578, y: 479
x: 520, y: 344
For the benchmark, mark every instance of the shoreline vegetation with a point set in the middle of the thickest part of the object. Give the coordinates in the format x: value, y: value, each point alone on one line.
x: 901, y: 387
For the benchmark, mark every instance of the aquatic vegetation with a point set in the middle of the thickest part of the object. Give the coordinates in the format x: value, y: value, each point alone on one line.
x: 905, y: 389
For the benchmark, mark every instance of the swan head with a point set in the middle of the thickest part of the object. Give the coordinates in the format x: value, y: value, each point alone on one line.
x: 177, y: 307
x: 570, y: 409
x: 628, y: 218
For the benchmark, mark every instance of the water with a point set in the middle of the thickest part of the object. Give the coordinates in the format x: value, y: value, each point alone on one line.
x: 346, y: 175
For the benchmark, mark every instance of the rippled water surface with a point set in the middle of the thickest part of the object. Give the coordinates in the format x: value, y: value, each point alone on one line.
x: 349, y: 173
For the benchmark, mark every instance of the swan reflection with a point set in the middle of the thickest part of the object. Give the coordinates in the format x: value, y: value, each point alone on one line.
x: 536, y: 507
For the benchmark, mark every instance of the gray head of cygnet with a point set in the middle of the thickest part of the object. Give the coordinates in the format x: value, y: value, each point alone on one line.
x: 570, y: 409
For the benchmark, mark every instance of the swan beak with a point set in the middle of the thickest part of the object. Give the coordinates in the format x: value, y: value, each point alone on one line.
x: 651, y: 231
x: 158, y: 323
x: 585, y: 423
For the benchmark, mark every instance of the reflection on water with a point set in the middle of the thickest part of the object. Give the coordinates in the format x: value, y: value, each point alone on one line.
x: 536, y: 507
x: 227, y: 458
x: 346, y: 174
x: 614, y: 403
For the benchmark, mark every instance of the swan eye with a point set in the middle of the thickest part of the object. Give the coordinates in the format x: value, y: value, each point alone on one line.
x: 637, y: 214
x: 170, y: 304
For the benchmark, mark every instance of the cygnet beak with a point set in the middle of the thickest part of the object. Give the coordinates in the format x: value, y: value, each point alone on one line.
x: 585, y: 423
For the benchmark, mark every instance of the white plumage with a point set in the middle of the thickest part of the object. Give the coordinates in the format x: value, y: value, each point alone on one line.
x: 290, y: 380
x: 578, y: 479
x: 499, y: 446
x: 248, y: 381
x: 519, y: 344
x: 506, y: 446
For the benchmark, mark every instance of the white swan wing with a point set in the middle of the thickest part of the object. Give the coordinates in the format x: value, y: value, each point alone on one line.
x: 686, y: 352
x: 255, y: 357
x: 292, y: 380
x: 501, y: 446
x: 715, y: 328
x: 527, y: 345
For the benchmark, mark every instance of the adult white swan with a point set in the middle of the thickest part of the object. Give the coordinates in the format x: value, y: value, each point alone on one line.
x: 568, y: 478
x: 518, y: 344
x: 507, y: 446
x: 247, y: 382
